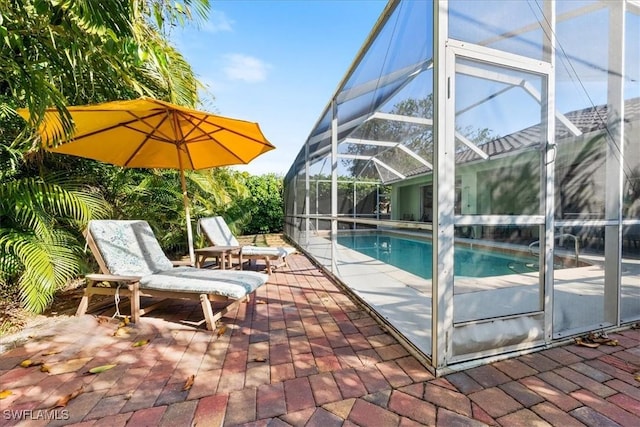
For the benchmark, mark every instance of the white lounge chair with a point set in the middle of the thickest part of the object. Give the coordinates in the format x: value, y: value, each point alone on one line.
x: 128, y: 253
x: 216, y: 230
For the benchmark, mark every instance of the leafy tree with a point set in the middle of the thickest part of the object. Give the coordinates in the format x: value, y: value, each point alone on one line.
x: 156, y: 196
x: 58, y: 53
x: 265, y: 205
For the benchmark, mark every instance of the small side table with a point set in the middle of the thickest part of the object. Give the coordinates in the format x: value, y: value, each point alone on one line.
x: 221, y: 253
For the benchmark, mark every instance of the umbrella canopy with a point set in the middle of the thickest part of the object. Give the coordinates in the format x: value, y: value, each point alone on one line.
x: 149, y: 133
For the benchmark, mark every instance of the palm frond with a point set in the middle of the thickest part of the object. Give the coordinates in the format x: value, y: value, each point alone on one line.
x: 47, y: 263
x: 49, y: 198
x: 38, y: 245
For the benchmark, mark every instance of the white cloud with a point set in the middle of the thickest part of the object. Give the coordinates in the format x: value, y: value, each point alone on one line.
x: 218, y: 22
x: 245, y: 68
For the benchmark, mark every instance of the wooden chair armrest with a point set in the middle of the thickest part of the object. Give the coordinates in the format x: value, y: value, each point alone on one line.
x: 111, y: 278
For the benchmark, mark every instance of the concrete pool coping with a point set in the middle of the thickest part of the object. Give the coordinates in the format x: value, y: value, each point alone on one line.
x: 404, y: 299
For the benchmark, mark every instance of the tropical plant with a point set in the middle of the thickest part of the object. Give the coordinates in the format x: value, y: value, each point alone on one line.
x: 55, y: 53
x: 59, y: 53
x: 156, y: 196
x: 39, y: 248
x: 221, y: 191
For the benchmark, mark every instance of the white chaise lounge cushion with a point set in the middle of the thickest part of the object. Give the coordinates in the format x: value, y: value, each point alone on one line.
x: 232, y: 284
x: 129, y: 248
x: 270, y: 251
x: 218, y: 231
x: 220, y: 234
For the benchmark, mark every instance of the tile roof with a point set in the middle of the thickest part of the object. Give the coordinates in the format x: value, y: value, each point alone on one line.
x: 586, y: 120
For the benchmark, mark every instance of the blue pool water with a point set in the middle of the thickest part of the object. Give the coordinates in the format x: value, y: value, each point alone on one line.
x: 414, y: 256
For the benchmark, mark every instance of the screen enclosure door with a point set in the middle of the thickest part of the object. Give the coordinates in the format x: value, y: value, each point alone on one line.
x: 498, y: 132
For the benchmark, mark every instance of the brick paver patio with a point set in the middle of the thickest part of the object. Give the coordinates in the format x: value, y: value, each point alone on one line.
x: 301, y: 353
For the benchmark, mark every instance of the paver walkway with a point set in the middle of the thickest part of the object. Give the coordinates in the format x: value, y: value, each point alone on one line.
x: 301, y: 353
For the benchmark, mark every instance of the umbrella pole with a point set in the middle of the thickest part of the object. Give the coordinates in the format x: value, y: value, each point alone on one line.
x: 185, y: 199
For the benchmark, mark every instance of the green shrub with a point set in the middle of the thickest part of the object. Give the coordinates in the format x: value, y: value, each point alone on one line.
x: 265, y: 204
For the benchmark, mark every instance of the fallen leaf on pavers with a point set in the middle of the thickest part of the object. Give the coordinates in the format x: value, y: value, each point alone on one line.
x: 27, y: 363
x: 121, y: 332
x: 140, y: 343
x: 189, y: 382
x: 51, y: 353
x: 45, y: 368
x: 64, y: 367
x: 580, y: 341
x: 259, y: 359
x: 62, y: 402
x: 128, y: 395
x: 5, y: 393
x: 222, y: 330
x: 100, y: 369
x: 261, y: 301
x: 637, y: 377
x: 601, y: 338
x: 124, y: 322
x: 102, y: 319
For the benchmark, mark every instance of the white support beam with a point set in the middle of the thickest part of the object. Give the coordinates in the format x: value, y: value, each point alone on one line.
x: 563, y: 119
x: 443, y: 192
x: 307, y: 209
x: 373, y: 85
x: 416, y: 156
x: 389, y: 168
x: 614, y: 161
x: 374, y: 160
x: 483, y: 100
x: 470, y: 70
x: 481, y: 73
x: 334, y: 186
x: 353, y: 123
x: 341, y: 128
x: 471, y: 145
x: 360, y: 141
x: 390, y: 144
x: 536, y: 25
x: 354, y: 157
x: 401, y: 118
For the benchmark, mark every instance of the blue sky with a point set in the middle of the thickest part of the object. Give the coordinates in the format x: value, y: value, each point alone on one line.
x: 277, y: 62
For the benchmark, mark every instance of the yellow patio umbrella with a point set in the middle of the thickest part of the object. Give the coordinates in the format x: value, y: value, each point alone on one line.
x: 148, y: 133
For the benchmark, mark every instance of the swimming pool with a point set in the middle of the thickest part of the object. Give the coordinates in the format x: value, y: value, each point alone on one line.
x: 415, y: 256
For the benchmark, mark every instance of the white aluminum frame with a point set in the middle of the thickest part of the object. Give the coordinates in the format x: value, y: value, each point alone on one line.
x: 445, y: 53
x: 512, y: 325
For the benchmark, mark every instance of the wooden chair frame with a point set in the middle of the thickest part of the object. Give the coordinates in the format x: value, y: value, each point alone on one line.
x: 133, y: 291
